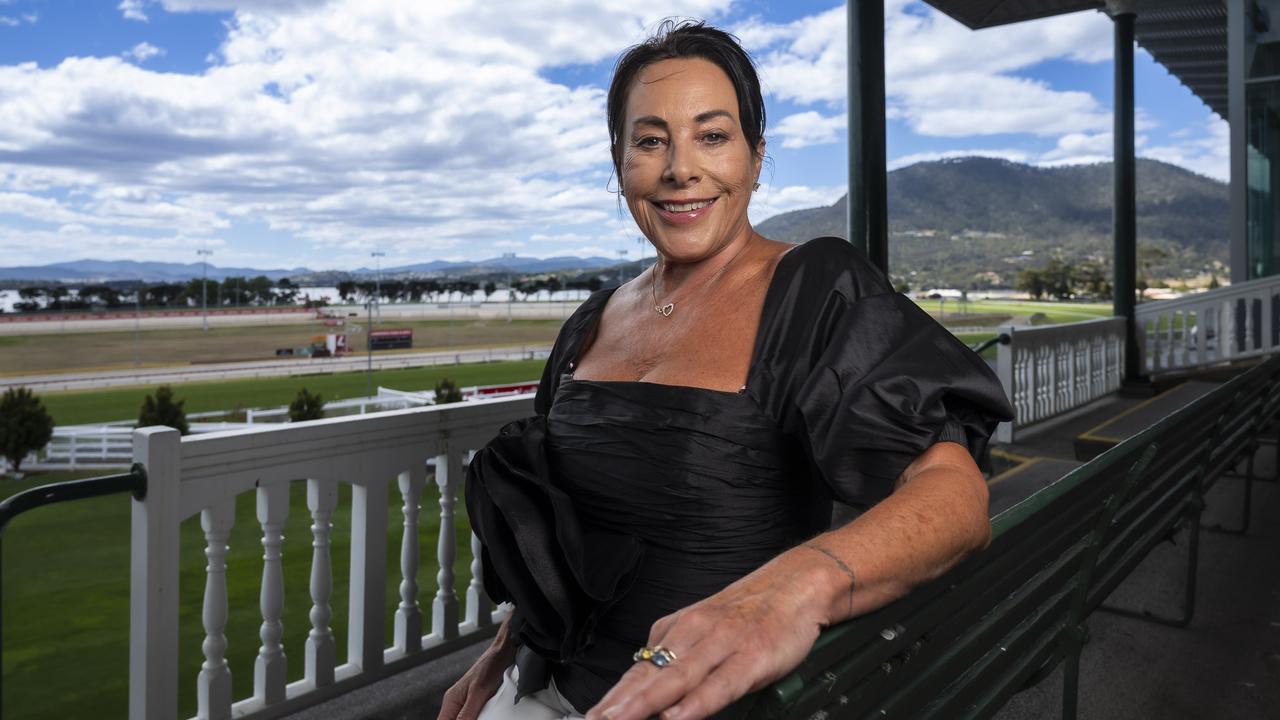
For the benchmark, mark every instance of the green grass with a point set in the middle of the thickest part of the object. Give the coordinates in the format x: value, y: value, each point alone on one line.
x: 1055, y: 312
x: 66, y: 601
x: 74, y: 408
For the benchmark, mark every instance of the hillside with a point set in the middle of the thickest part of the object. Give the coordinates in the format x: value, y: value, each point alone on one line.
x: 953, y: 219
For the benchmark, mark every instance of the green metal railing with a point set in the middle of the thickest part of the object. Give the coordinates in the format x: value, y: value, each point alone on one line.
x: 134, y: 481
x: 1001, y: 339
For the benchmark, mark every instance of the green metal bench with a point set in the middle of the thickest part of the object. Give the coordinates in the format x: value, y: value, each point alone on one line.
x: 962, y: 645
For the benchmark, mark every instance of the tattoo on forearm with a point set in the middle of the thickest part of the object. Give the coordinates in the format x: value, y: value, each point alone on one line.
x: 853, y: 581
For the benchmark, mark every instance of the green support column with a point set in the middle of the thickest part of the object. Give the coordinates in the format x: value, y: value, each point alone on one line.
x: 868, y: 214
x: 1124, y: 213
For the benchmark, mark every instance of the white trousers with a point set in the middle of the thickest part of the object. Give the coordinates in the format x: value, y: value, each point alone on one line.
x: 546, y: 704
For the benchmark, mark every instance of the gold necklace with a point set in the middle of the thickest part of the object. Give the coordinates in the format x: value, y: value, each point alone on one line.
x: 665, y: 310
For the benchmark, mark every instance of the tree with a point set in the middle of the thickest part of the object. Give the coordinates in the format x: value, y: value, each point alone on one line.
x: 25, y: 425
x: 162, y: 409
x: 306, y: 406
x: 1213, y: 282
x: 346, y: 289
x: 1031, y: 282
x: 447, y: 392
x: 490, y: 288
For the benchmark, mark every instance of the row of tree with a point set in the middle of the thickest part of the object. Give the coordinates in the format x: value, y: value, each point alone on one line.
x: 1062, y: 280
x: 416, y: 290
x: 231, y: 291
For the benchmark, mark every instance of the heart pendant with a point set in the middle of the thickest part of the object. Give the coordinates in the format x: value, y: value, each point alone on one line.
x: 665, y: 310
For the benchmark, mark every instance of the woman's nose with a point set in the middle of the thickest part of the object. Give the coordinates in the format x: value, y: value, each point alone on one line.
x: 682, y: 167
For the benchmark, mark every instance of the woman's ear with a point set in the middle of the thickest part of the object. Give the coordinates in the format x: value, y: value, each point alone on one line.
x: 759, y: 157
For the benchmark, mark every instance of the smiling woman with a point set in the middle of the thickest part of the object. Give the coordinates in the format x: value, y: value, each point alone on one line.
x: 662, y: 524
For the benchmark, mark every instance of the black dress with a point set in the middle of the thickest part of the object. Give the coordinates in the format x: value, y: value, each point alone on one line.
x: 621, y: 502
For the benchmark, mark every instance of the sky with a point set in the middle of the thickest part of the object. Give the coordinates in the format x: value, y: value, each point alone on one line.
x: 313, y: 133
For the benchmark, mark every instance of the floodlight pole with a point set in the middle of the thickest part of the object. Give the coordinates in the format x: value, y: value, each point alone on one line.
x: 368, y: 337
x: 510, y: 258
x: 377, y: 256
x: 204, y: 287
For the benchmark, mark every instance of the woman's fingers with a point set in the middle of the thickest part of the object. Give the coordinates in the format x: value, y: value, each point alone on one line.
x: 646, y: 689
x: 729, y: 681
x: 454, y: 700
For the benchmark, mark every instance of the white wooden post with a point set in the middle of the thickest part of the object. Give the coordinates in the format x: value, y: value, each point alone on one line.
x: 367, y: 606
x: 270, y: 671
x: 321, y: 653
x: 153, y: 578
x: 213, y: 687
x: 444, y: 608
x: 408, y: 630
x: 479, y: 608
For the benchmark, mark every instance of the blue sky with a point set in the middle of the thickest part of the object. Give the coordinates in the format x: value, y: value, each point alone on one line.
x: 286, y: 133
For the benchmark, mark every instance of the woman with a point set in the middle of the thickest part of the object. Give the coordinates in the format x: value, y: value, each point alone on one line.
x: 661, y: 524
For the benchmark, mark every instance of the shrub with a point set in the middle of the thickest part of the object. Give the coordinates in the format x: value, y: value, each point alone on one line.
x: 447, y: 392
x: 25, y: 425
x: 163, y: 409
x: 306, y: 406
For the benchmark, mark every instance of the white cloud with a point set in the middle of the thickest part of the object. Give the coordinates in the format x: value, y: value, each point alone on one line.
x: 941, y: 78
x: 810, y: 128
x: 143, y: 52
x: 132, y: 10
x: 770, y: 201
x: 9, y: 21
x: 337, y: 126
x: 1010, y: 154
x: 1204, y: 148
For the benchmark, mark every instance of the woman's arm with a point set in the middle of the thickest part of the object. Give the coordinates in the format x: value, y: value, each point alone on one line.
x: 760, y: 627
x: 468, y: 696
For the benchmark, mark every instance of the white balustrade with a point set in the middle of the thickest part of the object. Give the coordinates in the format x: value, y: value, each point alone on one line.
x: 204, y: 474
x: 1230, y: 323
x: 1048, y: 370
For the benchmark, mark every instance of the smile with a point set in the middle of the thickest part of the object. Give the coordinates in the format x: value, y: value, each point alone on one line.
x: 683, y: 212
x: 685, y: 207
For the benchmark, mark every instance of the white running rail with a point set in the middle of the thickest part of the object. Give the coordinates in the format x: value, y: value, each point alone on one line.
x: 1230, y: 323
x: 375, y: 454
x: 1048, y: 370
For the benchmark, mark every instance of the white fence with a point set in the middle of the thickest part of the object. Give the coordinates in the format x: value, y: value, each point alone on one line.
x: 204, y: 474
x: 1229, y: 323
x: 1048, y: 370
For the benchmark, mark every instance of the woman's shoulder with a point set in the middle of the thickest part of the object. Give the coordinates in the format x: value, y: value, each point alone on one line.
x: 830, y: 264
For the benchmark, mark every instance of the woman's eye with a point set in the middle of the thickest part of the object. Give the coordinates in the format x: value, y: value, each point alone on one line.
x: 649, y: 142
x: 714, y: 138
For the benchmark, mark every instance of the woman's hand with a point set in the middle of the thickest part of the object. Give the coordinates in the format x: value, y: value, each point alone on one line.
x: 468, y: 696
x: 736, y: 641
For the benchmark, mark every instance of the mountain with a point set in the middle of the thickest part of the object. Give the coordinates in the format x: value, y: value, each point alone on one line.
x: 502, y: 265
x: 107, y: 270
x: 953, y: 219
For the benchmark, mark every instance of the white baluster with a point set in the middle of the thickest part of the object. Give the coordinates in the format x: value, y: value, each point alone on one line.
x: 479, y: 608
x: 367, y: 606
x: 322, y: 497
x: 408, y: 634
x: 444, y: 608
x: 270, y: 669
x: 213, y: 689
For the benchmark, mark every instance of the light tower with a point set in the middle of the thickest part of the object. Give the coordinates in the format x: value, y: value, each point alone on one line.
x: 377, y: 256
x: 204, y: 253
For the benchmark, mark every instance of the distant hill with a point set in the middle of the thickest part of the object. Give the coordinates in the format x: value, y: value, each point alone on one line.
x: 952, y: 219
x: 108, y: 270
x: 118, y: 270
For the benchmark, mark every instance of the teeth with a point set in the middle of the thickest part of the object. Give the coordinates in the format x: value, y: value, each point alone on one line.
x: 685, y: 207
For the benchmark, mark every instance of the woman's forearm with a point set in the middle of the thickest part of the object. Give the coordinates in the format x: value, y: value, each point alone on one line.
x: 932, y: 521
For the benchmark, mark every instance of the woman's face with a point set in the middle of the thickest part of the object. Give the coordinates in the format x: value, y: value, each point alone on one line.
x: 687, y: 171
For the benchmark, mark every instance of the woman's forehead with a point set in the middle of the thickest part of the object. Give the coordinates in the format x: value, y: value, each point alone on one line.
x: 680, y: 90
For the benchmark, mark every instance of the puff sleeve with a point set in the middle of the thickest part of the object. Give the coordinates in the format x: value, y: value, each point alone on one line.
x: 889, y: 384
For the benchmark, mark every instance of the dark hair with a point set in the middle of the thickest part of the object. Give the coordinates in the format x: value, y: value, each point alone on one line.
x: 688, y: 39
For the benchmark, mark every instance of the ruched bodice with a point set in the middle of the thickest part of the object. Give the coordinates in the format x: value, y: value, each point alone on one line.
x: 622, y: 502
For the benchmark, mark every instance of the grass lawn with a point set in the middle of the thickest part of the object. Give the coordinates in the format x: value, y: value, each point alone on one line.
x: 74, y: 408
x: 1055, y: 312
x: 66, y: 596
x: 85, y: 351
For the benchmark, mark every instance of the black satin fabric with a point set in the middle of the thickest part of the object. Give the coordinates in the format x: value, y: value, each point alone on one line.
x: 622, y: 502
